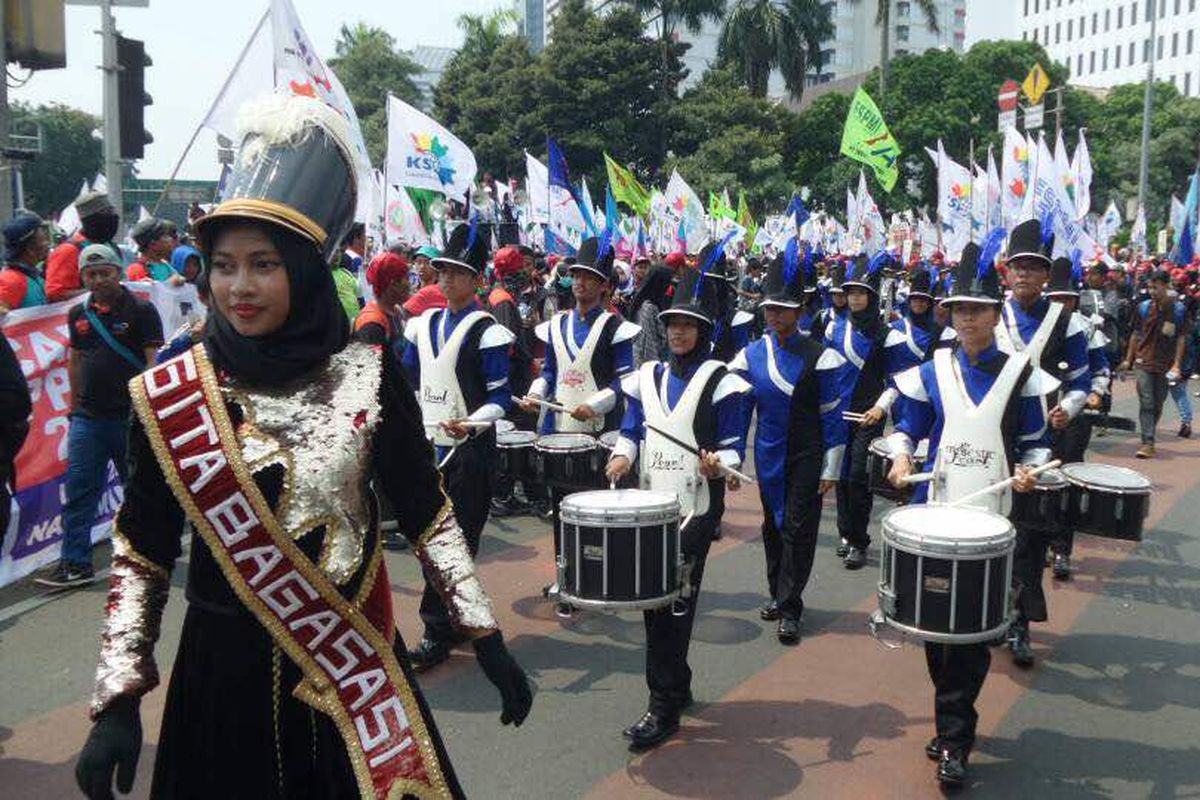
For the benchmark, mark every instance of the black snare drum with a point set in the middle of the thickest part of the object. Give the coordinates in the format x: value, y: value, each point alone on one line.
x: 1045, y: 508
x: 569, y: 461
x: 1107, y: 501
x: 619, y: 550
x: 515, y: 451
x: 945, y: 572
x: 879, y: 465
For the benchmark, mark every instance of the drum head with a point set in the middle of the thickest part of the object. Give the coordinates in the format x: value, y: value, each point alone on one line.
x: 619, y: 506
x: 948, y: 530
x: 1107, y: 477
x: 1051, y: 480
x: 880, y: 447
x: 515, y: 438
x: 565, y: 442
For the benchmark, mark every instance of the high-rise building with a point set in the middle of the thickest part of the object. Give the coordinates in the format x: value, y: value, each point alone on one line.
x: 533, y: 23
x: 1103, y: 43
x: 856, y: 44
x: 432, y: 61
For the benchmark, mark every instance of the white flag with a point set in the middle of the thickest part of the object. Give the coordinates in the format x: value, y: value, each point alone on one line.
x: 1137, y: 236
x: 1081, y: 169
x: 1178, y: 212
x: 683, y: 205
x: 1052, y: 204
x: 1066, y: 178
x: 979, y: 203
x: 552, y: 205
x: 402, y: 223
x: 1110, y: 223
x: 954, y: 203
x: 871, y: 232
x: 424, y: 155
x: 1015, y: 176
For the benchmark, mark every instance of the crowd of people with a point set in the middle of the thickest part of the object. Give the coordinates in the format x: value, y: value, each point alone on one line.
x: 329, y: 368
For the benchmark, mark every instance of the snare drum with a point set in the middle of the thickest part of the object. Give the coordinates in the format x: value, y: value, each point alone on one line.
x: 1045, y: 508
x: 945, y: 573
x: 879, y: 465
x: 515, y: 454
x: 568, y: 461
x: 619, y: 550
x: 505, y: 425
x: 1107, y: 501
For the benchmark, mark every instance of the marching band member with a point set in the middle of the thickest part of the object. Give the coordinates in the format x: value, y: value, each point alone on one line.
x: 799, y: 441
x: 836, y: 309
x: 1055, y: 340
x: 458, y: 359
x: 911, y: 339
x: 732, y: 326
x: 858, y: 337
x: 1064, y: 286
x: 695, y: 400
x: 290, y: 679
x: 981, y: 410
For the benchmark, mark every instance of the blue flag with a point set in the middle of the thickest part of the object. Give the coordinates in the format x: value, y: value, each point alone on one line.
x: 796, y: 208
x: 556, y: 245
x: 611, y: 215
x: 557, y: 166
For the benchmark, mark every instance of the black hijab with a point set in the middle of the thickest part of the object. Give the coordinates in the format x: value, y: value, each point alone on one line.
x: 655, y: 289
x: 316, y: 326
x: 868, y: 322
x: 680, y: 366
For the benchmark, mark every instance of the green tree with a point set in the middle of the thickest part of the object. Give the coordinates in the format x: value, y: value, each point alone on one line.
x: 883, y: 19
x: 599, y: 89
x: 70, y: 154
x: 762, y: 35
x: 369, y: 66
x: 725, y: 138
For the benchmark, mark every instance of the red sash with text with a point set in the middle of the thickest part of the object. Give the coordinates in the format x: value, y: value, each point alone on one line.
x: 350, y: 671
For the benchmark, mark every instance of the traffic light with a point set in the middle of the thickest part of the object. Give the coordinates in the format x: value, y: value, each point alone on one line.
x: 131, y: 97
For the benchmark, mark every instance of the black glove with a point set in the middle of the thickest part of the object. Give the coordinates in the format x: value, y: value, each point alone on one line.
x: 507, y: 676
x: 115, y: 741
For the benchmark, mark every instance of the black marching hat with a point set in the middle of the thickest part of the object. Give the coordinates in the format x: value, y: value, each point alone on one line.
x: 922, y: 282
x: 699, y: 291
x: 785, y: 281
x: 467, y: 247
x: 294, y: 169
x: 837, y: 274
x: 1064, y: 278
x: 1031, y: 240
x: 867, y: 273
x: 976, y: 279
x: 596, y: 255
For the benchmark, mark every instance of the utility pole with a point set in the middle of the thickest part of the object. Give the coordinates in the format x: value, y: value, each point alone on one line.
x: 113, y: 168
x: 6, y: 199
x: 1059, y: 99
x: 1148, y: 107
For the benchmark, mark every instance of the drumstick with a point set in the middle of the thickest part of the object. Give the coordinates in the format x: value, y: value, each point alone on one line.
x: 1004, y: 484
x: 453, y: 450
x: 724, y: 470
x: 851, y: 416
x: 686, y: 520
x: 918, y: 477
x: 466, y: 423
x: 544, y: 404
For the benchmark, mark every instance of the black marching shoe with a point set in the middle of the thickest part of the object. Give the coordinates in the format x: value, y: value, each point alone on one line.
x: 564, y: 610
x: 856, y: 558
x: 1018, y: 642
x: 684, y: 706
x: 428, y: 654
x: 788, y: 631
x: 1062, y: 566
x: 933, y: 749
x: 652, y: 729
x: 842, y: 548
x: 952, y: 768
x: 770, y: 611
x: 67, y: 576
x: 1185, y: 430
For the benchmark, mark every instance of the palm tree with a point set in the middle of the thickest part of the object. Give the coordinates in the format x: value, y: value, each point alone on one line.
x: 669, y: 14
x: 761, y: 35
x: 484, y: 32
x: 883, y: 18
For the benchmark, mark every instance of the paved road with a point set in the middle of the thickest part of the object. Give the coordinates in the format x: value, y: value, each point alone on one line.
x: 1112, y: 708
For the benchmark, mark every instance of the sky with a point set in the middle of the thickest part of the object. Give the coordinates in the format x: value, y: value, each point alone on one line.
x: 991, y: 19
x: 194, y: 46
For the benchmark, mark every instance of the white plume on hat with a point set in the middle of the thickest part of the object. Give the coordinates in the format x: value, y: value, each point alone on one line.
x: 279, y: 119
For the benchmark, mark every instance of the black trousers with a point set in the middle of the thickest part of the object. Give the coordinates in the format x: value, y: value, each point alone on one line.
x: 790, y: 551
x: 854, y: 499
x: 468, y: 477
x: 957, y: 672
x: 1029, y: 563
x: 1070, y: 446
x: 668, y: 637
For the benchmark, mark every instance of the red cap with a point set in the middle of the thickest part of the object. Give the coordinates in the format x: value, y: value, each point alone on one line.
x: 675, y: 260
x: 426, y: 298
x: 385, y: 269
x: 1179, y: 275
x: 508, y: 261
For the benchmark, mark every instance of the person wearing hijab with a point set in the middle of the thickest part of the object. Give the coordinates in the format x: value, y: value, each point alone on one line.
x: 835, y: 300
x: 693, y: 398
x: 187, y: 262
x: 651, y: 297
x: 911, y: 339
x: 858, y: 337
x: 800, y: 438
x: 290, y: 680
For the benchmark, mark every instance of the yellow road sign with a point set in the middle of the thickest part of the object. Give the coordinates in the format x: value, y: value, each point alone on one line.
x: 1035, y: 84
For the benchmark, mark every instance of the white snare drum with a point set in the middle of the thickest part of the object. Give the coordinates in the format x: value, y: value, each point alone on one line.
x: 619, y: 550
x: 945, y: 573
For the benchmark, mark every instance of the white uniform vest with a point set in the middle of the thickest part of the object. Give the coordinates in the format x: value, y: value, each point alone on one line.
x: 575, y: 383
x: 1008, y: 335
x: 440, y: 395
x: 971, y: 454
x: 665, y: 466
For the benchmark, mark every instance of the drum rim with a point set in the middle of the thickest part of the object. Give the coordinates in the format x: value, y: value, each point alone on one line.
x: 932, y: 545
x: 583, y: 442
x: 1083, y: 483
x: 645, y: 604
x: 665, y: 511
x: 949, y: 638
x: 1049, y: 481
x: 524, y: 438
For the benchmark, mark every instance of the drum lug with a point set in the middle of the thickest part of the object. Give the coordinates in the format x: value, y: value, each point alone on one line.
x: 560, y: 564
x: 887, y: 601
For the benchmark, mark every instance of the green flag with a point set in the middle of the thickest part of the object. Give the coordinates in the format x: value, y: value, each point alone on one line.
x: 625, y: 187
x: 743, y: 217
x: 866, y: 138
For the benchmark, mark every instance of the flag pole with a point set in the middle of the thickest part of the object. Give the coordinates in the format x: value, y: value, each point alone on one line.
x: 228, y: 79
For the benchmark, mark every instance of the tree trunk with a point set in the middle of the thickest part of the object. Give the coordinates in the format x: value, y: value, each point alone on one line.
x: 884, y: 36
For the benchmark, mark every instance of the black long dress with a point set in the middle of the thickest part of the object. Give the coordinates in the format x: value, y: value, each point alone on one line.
x: 231, y: 727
